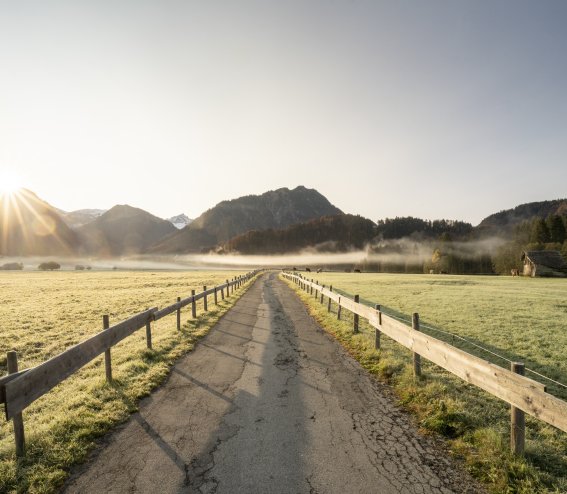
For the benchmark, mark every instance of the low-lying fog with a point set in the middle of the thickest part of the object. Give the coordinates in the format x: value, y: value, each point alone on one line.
x: 403, y: 251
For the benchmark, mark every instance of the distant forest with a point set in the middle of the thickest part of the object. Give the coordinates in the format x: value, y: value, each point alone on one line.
x: 534, y: 234
x: 408, y: 226
x: 338, y: 233
x: 456, y: 247
x: 413, y: 245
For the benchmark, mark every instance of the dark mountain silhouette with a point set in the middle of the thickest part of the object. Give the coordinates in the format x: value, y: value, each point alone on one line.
x: 277, y: 221
x: 31, y: 226
x: 337, y: 233
x: 274, y: 209
x: 504, y: 222
x: 122, y: 230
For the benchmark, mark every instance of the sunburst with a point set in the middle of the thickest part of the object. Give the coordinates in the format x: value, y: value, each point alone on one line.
x: 24, y: 215
x: 10, y: 183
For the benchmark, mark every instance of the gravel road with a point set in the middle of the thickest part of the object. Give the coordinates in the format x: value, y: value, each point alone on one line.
x: 269, y: 403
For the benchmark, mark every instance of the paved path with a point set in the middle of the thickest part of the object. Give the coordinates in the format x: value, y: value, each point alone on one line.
x: 269, y: 403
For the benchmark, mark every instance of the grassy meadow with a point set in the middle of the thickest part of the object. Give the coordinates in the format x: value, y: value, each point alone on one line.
x: 520, y: 319
x: 42, y: 314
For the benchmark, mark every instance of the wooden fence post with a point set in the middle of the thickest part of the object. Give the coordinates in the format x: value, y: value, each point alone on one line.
x: 222, y: 292
x: 518, y: 419
x: 17, y: 420
x: 149, y: 334
x: 193, y: 305
x: 107, y: 358
x: 205, y: 298
x: 355, y: 324
x: 329, y: 301
x: 216, y: 297
x: 311, y: 291
x: 316, y: 288
x: 227, y: 285
x: 416, y: 356
x: 322, y: 296
x: 178, y: 315
x: 339, y: 310
x: 377, y: 333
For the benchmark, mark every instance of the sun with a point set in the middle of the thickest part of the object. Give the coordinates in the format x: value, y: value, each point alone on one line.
x: 10, y: 183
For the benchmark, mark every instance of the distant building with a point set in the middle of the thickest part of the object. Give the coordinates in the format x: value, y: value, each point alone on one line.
x: 544, y: 263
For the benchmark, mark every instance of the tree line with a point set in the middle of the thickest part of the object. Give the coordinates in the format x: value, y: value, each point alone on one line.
x: 412, y: 245
x: 535, y: 234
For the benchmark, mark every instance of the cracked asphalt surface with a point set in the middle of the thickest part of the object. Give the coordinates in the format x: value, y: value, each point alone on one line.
x: 269, y: 403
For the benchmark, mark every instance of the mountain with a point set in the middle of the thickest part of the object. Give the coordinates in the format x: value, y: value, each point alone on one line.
x: 122, y: 230
x: 503, y: 222
x: 76, y: 219
x: 31, y: 226
x: 338, y: 233
x: 274, y: 209
x: 180, y: 221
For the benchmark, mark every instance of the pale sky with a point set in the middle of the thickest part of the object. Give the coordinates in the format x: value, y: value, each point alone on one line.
x: 436, y: 109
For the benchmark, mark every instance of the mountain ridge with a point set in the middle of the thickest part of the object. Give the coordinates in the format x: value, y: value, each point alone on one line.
x: 122, y: 230
x: 273, y: 209
x: 80, y: 217
x: 34, y: 227
x: 180, y: 221
x: 505, y: 220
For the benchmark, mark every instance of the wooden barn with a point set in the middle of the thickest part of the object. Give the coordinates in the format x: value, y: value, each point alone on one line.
x: 544, y: 263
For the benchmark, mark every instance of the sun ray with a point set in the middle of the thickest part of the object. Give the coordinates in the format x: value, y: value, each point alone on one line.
x: 27, y: 202
x: 13, y: 198
x: 25, y: 215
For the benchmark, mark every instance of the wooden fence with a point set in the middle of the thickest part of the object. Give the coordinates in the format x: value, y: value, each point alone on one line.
x: 19, y: 389
x: 522, y: 393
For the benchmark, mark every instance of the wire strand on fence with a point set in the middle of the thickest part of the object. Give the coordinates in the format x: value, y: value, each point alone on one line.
x: 453, y: 335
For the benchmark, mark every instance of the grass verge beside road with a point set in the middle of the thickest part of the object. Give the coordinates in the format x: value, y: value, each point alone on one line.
x: 475, y: 424
x: 45, y: 313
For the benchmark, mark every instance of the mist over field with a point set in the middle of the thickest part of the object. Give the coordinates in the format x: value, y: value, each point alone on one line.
x: 401, y: 251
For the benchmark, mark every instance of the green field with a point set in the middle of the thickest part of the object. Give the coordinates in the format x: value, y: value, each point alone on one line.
x: 520, y: 319
x: 42, y: 314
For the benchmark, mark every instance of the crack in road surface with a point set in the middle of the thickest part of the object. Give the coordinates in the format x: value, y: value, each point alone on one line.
x: 269, y: 403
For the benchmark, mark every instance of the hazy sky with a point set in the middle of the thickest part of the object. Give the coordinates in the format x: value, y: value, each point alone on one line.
x: 435, y: 109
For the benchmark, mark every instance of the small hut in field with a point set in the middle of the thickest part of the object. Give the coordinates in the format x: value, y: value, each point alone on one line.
x: 544, y: 263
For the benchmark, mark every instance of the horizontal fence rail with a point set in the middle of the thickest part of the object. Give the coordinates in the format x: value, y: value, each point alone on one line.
x: 19, y: 389
x: 27, y: 388
x: 521, y: 392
